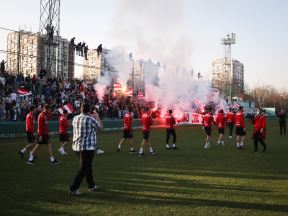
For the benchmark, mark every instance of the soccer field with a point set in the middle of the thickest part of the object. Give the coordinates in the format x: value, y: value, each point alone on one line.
x: 190, y: 181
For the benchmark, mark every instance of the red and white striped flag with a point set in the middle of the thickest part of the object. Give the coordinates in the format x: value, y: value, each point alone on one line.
x: 67, y: 107
x: 237, y: 105
x: 140, y: 95
x: 24, y: 92
x: 117, y: 86
x: 129, y: 92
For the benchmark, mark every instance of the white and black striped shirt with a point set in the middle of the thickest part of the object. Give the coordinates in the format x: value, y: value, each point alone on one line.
x: 84, y: 132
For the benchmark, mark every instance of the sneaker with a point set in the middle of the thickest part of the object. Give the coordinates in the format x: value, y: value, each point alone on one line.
x: 207, y: 145
x: 117, y: 149
x: 141, y: 154
x: 95, y: 188
x: 219, y: 143
x: 64, y: 153
x: 75, y: 193
x: 175, y: 148
x: 222, y: 143
x: 55, y: 162
x: 230, y: 137
x: 153, y: 152
x: 99, y: 151
x: 167, y: 147
x: 21, y: 154
x: 31, y: 162
x: 132, y: 151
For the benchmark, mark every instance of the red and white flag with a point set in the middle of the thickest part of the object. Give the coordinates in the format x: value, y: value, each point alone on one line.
x: 140, y: 95
x: 237, y: 105
x: 67, y: 107
x: 24, y: 92
x: 129, y: 92
x: 117, y: 86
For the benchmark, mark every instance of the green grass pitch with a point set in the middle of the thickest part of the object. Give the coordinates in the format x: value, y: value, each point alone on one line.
x: 190, y: 181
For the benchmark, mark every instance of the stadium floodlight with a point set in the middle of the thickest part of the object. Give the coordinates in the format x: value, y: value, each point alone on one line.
x: 227, y: 42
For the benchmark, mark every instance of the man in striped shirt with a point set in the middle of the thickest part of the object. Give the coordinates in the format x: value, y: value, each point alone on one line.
x: 84, y: 145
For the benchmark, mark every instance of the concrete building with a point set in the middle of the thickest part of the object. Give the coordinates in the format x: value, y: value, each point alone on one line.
x: 95, y: 66
x: 24, y: 51
x: 221, y: 73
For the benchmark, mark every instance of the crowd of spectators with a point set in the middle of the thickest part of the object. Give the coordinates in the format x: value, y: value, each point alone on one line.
x: 58, y: 92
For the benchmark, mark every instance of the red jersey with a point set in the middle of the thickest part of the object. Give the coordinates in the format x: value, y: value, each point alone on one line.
x: 30, y: 122
x: 146, y: 122
x: 260, y: 124
x: 207, y: 120
x: 230, y: 117
x: 63, y: 125
x: 42, y: 124
x: 239, y: 120
x: 170, y: 120
x: 220, y: 120
x: 128, y: 121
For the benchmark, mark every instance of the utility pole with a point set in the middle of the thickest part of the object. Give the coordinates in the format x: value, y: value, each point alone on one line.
x: 18, y: 51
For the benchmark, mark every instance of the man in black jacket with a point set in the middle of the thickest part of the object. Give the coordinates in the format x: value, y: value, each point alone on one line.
x: 282, y: 121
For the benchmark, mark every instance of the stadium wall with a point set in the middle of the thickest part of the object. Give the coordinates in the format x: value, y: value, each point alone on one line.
x: 17, y: 129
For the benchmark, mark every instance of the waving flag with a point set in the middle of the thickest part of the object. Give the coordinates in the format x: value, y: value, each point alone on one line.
x: 237, y: 105
x: 24, y: 92
x: 117, y: 86
x: 140, y: 95
x: 67, y: 107
x: 129, y: 92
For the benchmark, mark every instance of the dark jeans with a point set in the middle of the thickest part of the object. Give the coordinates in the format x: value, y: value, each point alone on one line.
x: 230, y: 126
x: 170, y: 131
x: 258, y: 138
x: 282, y: 127
x: 85, y: 170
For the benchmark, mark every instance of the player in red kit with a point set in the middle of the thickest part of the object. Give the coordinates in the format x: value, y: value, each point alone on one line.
x: 29, y: 132
x: 230, y: 121
x: 63, y: 132
x: 259, y: 132
x: 221, y: 123
x: 147, y: 121
x: 127, y: 131
x: 170, y: 129
x: 43, y: 136
x: 207, y: 124
x: 240, y: 128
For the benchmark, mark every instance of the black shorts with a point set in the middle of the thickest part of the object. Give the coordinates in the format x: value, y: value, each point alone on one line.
x: 127, y: 134
x: 30, y: 137
x: 146, y: 135
x: 221, y: 130
x: 64, y: 137
x: 45, y: 139
x: 208, y: 130
x: 240, y: 131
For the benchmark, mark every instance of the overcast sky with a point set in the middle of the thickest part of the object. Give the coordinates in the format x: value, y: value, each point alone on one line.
x: 195, y: 27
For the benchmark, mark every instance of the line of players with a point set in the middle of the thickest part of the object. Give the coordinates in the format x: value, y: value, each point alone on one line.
x: 221, y: 121
x: 43, y: 135
x: 146, y: 120
x: 231, y: 119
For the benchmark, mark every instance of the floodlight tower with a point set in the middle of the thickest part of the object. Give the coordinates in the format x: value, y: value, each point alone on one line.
x: 49, y: 30
x: 228, y: 62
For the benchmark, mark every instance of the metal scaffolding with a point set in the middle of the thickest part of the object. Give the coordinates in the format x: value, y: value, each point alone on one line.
x: 49, y: 29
